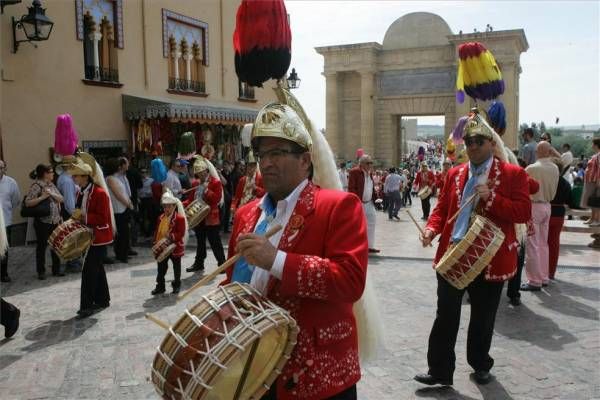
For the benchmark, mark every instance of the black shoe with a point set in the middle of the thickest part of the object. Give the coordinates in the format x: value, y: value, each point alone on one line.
x: 123, y: 260
x: 175, y: 287
x: 482, y: 377
x: 544, y: 285
x: 11, y: 328
x: 58, y: 274
x: 195, y: 268
x: 84, y: 313
x: 427, y: 379
x: 41, y: 277
x: 397, y: 218
x: 158, y: 290
x: 132, y: 253
x: 515, y: 301
x: 526, y: 287
x: 108, y: 260
x: 5, y: 279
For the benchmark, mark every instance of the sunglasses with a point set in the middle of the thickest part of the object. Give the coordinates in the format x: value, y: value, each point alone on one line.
x: 478, y: 140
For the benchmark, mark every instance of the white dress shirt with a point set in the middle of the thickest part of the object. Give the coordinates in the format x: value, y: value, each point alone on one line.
x: 10, y: 197
x: 284, y: 210
x: 368, y: 189
x: 173, y: 183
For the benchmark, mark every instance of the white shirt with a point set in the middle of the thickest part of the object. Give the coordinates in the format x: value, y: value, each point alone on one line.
x: 343, y: 178
x: 118, y: 207
x: 284, y: 210
x: 172, y: 182
x: 368, y: 190
x: 10, y: 197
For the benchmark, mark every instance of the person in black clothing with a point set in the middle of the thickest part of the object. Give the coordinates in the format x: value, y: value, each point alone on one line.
x: 134, y: 177
x: 406, y: 199
x: 226, y: 172
x: 557, y: 218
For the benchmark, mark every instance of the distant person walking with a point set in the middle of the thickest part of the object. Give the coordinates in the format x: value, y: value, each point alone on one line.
x: 529, y: 148
x: 10, y: 197
x: 591, y: 188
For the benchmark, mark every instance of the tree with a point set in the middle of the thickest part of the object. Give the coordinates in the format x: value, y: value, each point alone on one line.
x: 542, y: 127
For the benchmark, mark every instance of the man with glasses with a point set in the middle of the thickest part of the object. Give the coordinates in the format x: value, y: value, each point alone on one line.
x: 360, y: 182
x: 501, y: 195
x: 10, y: 198
x: 315, y: 267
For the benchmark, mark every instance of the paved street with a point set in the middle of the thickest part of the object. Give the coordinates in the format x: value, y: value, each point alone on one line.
x: 548, y: 348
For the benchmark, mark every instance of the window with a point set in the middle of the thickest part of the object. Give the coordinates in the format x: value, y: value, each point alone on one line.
x: 246, y: 92
x: 100, y: 28
x: 185, y: 47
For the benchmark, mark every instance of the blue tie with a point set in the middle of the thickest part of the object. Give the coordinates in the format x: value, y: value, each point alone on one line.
x: 242, y: 271
x: 462, y: 222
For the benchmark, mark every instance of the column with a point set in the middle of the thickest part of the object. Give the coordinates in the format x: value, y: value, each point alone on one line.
x: 332, y: 114
x: 176, y: 66
x: 367, y: 120
x: 96, y: 37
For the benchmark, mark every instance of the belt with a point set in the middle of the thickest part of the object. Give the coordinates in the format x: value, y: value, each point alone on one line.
x: 541, y: 201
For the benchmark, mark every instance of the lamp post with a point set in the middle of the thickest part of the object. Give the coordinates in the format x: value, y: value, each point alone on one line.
x: 293, y: 80
x: 35, y: 24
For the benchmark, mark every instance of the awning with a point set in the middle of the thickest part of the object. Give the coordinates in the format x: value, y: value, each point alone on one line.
x: 140, y: 107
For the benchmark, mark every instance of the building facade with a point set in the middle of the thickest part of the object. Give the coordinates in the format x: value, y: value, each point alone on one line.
x: 133, y: 74
x: 370, y: 87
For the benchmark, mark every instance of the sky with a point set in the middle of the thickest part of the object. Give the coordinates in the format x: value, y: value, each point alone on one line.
x: 561, y: 68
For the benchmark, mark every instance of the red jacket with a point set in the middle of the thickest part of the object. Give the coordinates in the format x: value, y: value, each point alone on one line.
x: 507, y: 205
x: 239, y: 190
x: 98, y: 216
x: 212, y: 197
x: 356, y: 183
x: 324, y: 274
x: 176, y: 232
x: 422, y: 181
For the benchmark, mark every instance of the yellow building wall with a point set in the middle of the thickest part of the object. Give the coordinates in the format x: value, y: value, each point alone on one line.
x: 40, y: 83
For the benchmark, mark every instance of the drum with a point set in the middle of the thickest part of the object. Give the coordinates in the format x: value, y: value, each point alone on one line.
x: 70, y: 240
x: 464, y: 260
x: 424, y: 192
x: 162, y: 249
x: 195, y: 212
x: 231, y: 345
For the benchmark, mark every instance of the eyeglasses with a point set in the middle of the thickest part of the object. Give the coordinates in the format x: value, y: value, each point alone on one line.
x: 274, y: 154
x: 479, y: 140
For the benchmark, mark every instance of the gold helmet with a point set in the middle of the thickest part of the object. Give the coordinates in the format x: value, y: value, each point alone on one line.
x: 251, y: 158
x: 478, y: 126
x: 281, y: 121
x: 200, y: 165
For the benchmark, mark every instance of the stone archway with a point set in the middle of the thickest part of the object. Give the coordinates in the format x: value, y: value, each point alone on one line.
x: 368, y: 85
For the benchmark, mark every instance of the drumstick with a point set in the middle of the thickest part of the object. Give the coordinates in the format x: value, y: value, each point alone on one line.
x: 417, y: 224
x: 157, y: 321
x: 469, y: 200
x: 223, y: 267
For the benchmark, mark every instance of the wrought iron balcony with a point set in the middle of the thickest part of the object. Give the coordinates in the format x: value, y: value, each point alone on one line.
x: 187, y: 85
x: 101, y: 74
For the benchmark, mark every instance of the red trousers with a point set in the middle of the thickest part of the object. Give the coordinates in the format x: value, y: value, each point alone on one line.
x: 554, y: 228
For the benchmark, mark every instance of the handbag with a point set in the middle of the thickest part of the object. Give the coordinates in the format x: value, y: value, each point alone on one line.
x: 42, y: 209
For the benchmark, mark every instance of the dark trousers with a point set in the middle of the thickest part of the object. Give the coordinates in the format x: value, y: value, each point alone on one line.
x: 394, y: 204
x: 8, y: 313
x: 485, y: 297
x: 162, y: 271
x: 146, y: 215
x: 406, y: 197
x: 121, y: 243
x: 512, y: 289
x: 4, y: 261
x: 426, y: 206
x: 94, y: 286
x: 226, y: 212
x: 42, y: 233
x: 211, y: 233
x: 348, y: 394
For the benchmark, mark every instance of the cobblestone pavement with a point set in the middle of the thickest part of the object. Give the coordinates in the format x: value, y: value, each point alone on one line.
x: 548, y: 348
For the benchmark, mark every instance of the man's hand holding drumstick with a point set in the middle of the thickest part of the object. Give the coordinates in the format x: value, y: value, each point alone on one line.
x: 426, y: 237
x: 257, y: 250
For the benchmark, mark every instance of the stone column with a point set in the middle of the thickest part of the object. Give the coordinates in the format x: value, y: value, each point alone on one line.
x: 176, y: 65
x: 332, y: 113
x: 367, y: 119
x: 95, y: 38
x: 188, y: 66
x: 509, y: 98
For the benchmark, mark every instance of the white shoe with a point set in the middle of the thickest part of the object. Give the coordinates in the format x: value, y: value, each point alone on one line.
x: 594, y: 224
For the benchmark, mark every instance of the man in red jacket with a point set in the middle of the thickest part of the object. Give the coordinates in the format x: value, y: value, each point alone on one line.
x: 315, y: 267
x: 93, y: 209
x: 249, y: 187
x: 210, y: 190
x: 360, y: 182
x: 502, y: 196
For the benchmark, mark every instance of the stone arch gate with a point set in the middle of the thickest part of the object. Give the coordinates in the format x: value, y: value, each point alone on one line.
x: 370, y: 86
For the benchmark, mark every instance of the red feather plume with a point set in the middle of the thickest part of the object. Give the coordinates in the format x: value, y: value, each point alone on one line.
x: 262, y: 41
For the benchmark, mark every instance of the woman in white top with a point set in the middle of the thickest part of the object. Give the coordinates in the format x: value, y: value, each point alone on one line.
x: 120, y: 197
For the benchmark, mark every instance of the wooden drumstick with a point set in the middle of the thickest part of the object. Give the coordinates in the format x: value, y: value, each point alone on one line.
x: 223, y: 267
x: 157, y: 321
x: 469, y: 200
x: 417, y: 224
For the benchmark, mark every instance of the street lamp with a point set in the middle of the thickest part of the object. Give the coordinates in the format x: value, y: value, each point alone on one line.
x: 293, y: 81
x: 36, y: 25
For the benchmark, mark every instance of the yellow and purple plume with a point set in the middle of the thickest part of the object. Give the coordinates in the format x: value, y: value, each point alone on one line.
x: 478, y: 73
